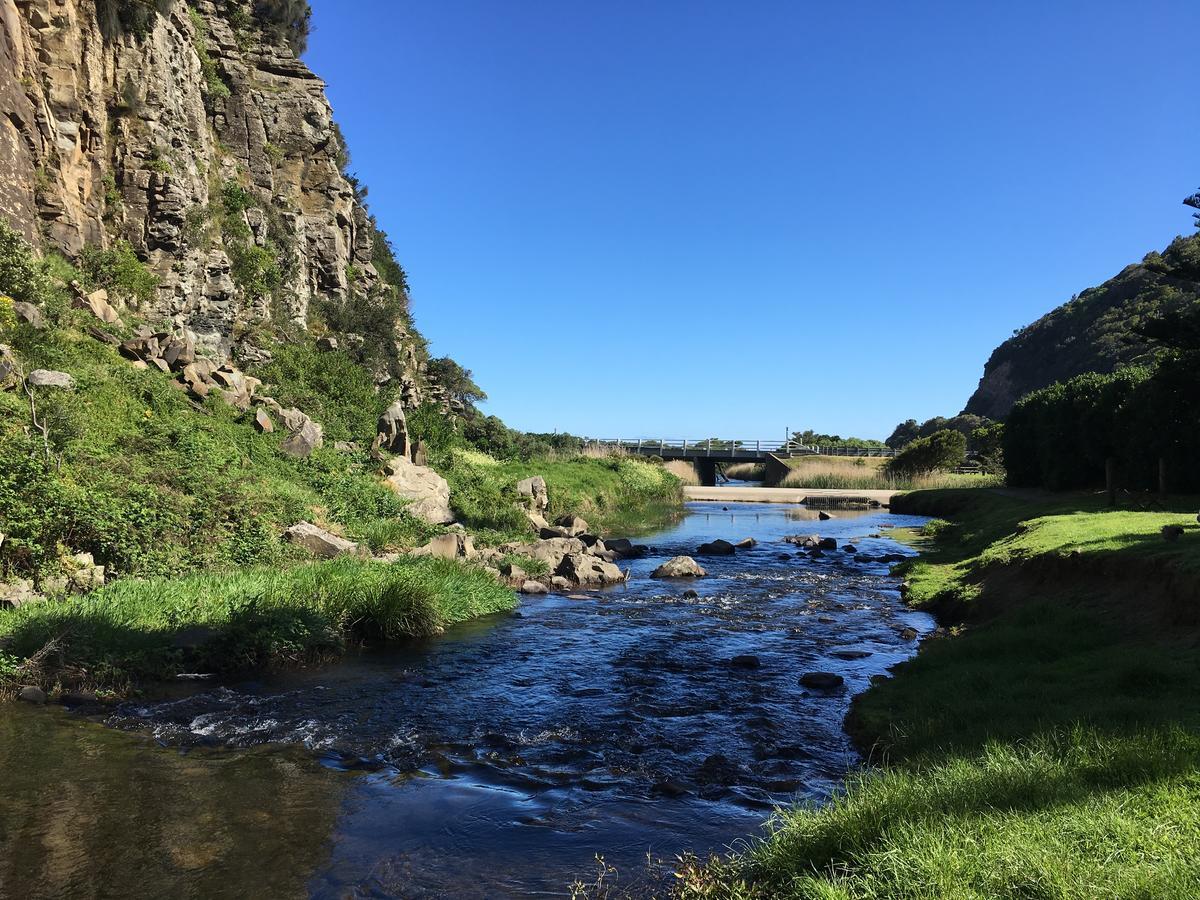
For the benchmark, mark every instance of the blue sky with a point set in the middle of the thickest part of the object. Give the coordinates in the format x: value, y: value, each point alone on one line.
x: 715, y: 218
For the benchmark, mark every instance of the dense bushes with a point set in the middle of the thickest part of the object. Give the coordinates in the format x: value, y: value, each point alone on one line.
x: 1061, y: 436
x: 944, y: 449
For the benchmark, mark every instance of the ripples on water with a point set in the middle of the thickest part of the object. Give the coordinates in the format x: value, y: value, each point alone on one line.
x: 497, y: 760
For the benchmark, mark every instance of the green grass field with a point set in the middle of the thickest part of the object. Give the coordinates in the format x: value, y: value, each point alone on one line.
x: 1048, y: 746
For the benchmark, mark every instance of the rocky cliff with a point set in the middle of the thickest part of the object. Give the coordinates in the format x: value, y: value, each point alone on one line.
x: 194, y: 133
x: 1095, y: 331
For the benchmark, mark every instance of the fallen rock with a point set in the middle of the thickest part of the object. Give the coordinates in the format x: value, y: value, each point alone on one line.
x: 679, y: 567
x: 551, y: 552
x: 31, y: 694
x: 573, y: 525
x: 84, y: 574
x: 262, y: 421
x: 427, y: 491
x: 30, y: 315
x: 534, y: 587
x: 97, y: 304
x: 807, y: 541
x: 513, y: 571
x: 48, y: 378
x: 318, y: 541
x: 19, y: 593
x: 559, y: 583
x: 549, y: 533
x: 583, y: 569
x: 302, y: 442
x: 538, y: 522
x: 393, y: 430
x: 821, y: 681
x: 716, y: 548
x: 534, y: 491
x: 454, y: 545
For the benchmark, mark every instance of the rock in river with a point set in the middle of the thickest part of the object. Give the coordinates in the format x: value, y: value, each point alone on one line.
x: 716, y: 548
x: 679, y: 567
x: 821, y: 681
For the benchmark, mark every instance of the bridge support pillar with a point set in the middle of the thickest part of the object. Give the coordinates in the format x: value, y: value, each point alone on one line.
x: 708, y: 472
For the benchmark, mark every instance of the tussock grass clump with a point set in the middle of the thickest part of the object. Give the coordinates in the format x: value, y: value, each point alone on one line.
x: 138, y: 629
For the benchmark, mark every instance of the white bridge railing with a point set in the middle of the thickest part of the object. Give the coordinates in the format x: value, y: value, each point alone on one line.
x: 750, y: 449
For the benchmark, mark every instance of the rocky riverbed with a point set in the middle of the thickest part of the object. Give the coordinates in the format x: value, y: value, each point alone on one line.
x: 654, y: 716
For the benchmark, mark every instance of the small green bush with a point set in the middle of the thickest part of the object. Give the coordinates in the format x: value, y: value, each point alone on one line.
x: 118, y: 270
x: 21, y: 277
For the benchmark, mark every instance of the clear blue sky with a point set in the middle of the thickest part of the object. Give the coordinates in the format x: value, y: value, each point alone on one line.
x: 700, y: 218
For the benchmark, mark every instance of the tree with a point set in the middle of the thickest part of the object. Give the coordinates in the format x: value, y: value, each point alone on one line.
x: 456, y: 381
x: 943, y: 449
x: 1194, y: 202
x: 904, y: 434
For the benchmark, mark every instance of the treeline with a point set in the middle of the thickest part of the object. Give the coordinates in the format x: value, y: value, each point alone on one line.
x: 1063, y: 436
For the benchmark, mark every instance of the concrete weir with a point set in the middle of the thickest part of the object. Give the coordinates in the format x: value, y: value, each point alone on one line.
x: 819, y: 496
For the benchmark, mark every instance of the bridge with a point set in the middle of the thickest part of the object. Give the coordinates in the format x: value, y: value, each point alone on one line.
x: 709, y: 453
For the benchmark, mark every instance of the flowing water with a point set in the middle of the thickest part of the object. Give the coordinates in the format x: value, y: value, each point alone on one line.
x: 494, y: 761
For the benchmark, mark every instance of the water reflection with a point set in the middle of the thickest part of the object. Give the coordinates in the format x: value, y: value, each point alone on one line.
x: 89, y: 812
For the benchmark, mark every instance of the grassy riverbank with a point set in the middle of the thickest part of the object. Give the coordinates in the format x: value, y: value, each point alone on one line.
x: 137, y: 630
x: 1047, y: 746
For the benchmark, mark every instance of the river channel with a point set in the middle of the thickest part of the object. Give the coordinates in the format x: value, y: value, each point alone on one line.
x: 494, y: 761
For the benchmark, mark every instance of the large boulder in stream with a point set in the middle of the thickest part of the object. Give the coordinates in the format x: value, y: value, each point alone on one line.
x: 717, y: 548
x: 679, y: 567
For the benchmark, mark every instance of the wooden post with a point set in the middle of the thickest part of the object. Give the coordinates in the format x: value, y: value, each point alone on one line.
x: 1162, y: 478
x: 1110, y: 480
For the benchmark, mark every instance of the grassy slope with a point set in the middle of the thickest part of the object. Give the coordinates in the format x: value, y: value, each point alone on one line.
x: 615, y: 495
x: 1048, y: 747
x: 186, y: 502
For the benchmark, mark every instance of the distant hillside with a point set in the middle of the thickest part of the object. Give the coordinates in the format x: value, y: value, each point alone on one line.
x: 1093, y: 332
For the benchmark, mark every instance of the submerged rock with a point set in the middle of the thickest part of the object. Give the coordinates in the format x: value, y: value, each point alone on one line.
x: 716, y: 548
x: 822, y: 681
x: 32, y: 694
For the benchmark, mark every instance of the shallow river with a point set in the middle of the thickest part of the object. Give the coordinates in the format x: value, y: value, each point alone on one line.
x: 495, y: 761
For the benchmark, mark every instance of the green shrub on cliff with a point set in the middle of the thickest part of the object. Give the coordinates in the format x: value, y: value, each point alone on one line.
x: 118, y: 270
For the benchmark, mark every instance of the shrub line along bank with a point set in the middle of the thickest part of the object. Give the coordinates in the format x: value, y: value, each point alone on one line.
x: 1046, y: 743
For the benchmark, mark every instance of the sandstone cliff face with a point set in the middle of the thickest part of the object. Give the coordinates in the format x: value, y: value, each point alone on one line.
x: 126, y: 137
